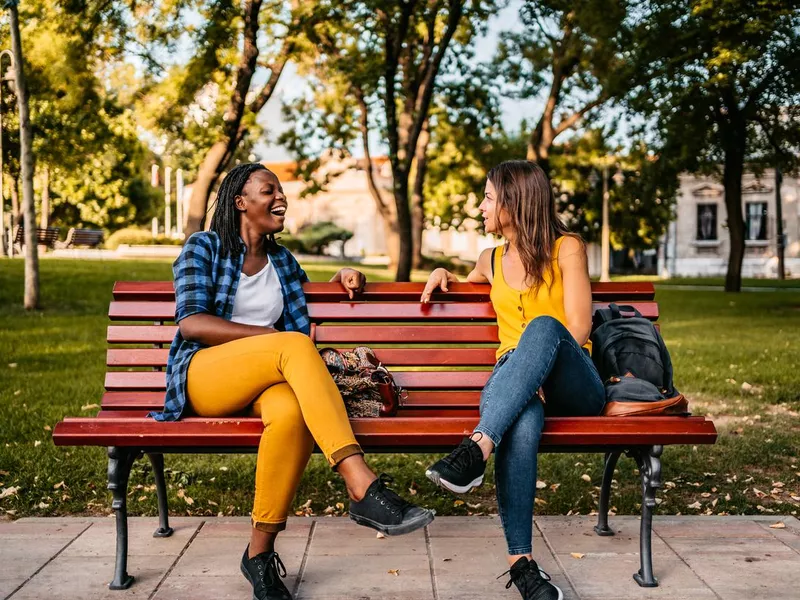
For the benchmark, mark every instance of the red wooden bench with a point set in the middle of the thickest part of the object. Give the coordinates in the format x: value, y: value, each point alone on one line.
x: 457, y: 330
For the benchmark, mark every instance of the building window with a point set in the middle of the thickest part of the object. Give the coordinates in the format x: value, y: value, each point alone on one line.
x: 755, y: 227
x: 706, y: 222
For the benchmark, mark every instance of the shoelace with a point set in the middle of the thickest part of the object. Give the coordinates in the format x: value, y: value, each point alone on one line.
x: 460, y: 458
x: 391, y: 497
x: 274, y: 561
x: 523, y: 581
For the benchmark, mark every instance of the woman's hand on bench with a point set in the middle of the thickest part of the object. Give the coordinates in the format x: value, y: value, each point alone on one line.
x: 438, y: 279
x: 353, y: 281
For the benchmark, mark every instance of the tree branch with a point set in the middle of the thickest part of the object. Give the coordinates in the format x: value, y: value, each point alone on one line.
x: 578, y: 115
x: 424, y: 101
x: 363, y: 122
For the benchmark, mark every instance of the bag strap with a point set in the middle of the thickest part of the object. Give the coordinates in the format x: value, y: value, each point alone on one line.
x: 625, y: 310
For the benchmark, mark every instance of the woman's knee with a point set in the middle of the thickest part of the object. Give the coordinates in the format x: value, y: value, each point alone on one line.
x: 294, y: 342
x: 544, y: 327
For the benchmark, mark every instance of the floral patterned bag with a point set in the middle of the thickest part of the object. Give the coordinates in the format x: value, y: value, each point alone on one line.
x: 367, y: 388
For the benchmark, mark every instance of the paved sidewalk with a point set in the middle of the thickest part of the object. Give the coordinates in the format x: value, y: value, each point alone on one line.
x: 455, y: 558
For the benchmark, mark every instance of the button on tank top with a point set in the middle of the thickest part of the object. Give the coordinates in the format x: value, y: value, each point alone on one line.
x: 517, y: 308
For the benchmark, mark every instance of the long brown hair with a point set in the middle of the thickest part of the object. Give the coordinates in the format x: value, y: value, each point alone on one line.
x: 524, y: 191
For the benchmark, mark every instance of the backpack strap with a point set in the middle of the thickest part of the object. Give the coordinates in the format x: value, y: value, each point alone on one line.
x: 618, y: 312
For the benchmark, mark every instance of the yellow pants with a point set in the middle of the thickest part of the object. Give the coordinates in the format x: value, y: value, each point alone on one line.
x: 281, y: 377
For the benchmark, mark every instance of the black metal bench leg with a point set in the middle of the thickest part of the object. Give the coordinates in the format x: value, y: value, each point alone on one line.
x: 164, y: 530
x: 649, y: 463
x: 120, y: 461
x: 602, y: 527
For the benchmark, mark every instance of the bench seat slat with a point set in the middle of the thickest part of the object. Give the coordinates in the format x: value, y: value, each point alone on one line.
x: 407, y: 432
x: 387, y: 292
x: 458, y: 380
x: 358, y: 311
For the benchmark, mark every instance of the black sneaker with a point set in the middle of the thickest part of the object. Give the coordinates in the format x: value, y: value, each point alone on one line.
x: 264, y: 572
x: 532, y: 582
x: 461, y: 470
x: 382, y: 509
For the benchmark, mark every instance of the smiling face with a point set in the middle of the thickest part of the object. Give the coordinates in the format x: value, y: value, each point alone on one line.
x: 495, y: 218
x: 262, y: 203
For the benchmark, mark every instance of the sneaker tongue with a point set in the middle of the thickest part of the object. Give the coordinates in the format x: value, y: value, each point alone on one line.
x: 520, y: 565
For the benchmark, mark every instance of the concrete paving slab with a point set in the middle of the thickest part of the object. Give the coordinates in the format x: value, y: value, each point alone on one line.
x: 609, y: 577
x: 331, y: 577
x: 100, y: 538
x: 726, y: 558
x: 343, y: 537
x: 743, y: 569
x: 27, y: 545
x: 468, y: 568
x: 84, y: 577
x: 576, y: 534
x: 219, y: 557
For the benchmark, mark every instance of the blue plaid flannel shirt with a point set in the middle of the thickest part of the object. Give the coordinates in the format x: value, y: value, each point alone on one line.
x: 206, y: 282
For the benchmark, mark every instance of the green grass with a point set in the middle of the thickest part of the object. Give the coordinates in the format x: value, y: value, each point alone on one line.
x: 790, y: 284
x: 52, y: 363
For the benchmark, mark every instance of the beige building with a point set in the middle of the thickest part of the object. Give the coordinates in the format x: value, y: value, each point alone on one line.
x: 697, y: 242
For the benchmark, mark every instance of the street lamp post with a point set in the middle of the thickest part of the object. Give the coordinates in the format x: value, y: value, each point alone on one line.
x: 9, y: 76
x: 605, y: 233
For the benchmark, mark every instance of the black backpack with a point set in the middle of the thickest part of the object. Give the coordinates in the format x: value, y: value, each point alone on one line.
x: 624, y: 342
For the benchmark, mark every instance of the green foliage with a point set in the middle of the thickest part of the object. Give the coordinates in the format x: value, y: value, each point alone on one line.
x: 314, y: 238
x: 640, y: 204
x: 717, y: 70
x: 138, y: 237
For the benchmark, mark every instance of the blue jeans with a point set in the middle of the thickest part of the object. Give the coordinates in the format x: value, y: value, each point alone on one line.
x: 512, y: 414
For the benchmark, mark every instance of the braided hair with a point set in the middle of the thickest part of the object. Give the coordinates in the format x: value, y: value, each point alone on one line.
x: 226, y: 220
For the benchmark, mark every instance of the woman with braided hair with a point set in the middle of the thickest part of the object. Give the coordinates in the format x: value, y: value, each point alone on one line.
x: 242, y: 347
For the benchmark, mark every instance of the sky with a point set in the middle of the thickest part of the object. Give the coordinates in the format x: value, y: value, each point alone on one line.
x: 290, y: 83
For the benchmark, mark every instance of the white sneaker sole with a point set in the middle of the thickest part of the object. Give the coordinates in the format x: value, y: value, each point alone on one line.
x: 452, y: 487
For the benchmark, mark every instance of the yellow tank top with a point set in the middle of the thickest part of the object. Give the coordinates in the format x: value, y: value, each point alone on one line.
x: 515, y: 308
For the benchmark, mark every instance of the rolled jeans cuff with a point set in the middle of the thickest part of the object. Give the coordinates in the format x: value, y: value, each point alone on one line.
x: 488, y: 433
x: 521, y: 550
x: 268, y: 527
x: 342, y: 453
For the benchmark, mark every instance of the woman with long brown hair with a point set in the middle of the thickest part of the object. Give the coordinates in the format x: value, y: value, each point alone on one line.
x: 543, y: 300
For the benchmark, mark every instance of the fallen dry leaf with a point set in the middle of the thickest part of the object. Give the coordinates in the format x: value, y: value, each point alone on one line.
x: 4, y: 473
x: 339, y: 506
x: 90, y: 406
x: 540, y: 501
x: 555, y: 486
x: 585, y: 477
x: 540, y: 485
x: 695, y: 505
x: 59, y: 485
x: 778, y: 525
x: 42, y: 505
x: 394, y: 572
x: 184, y: 497
x: 458, y: 503
x: 759, y: 493
x: 380, y: 536
x: 37, y: 443
x: 48, y: 428
x: 577, y: 554
x: 9, y: 491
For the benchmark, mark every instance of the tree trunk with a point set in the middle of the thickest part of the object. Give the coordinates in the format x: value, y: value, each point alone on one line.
x: 207, y: 176
x: 221, y: 152
x: 26, y: 160
x: 418, y: 196
x: 403, y: 226
x: 732, y: 180
x: 45, y: 216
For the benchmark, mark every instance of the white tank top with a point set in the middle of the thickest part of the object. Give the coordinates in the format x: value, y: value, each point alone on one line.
x: 258, y: 299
